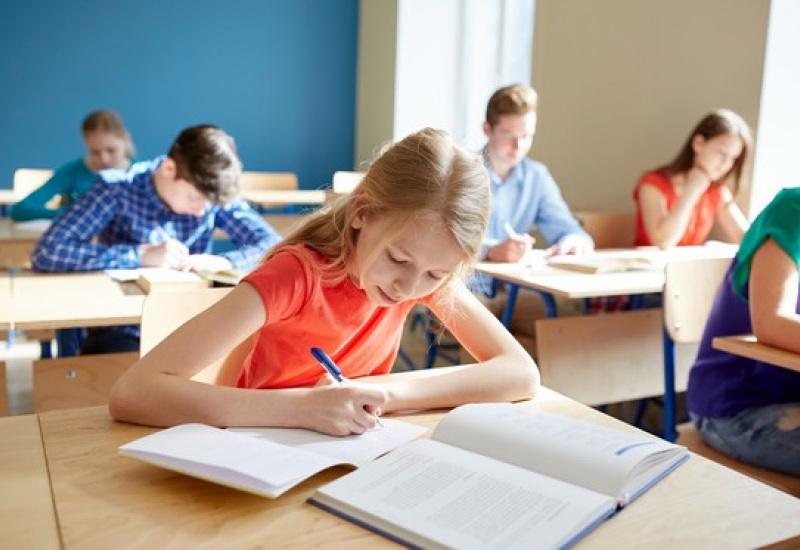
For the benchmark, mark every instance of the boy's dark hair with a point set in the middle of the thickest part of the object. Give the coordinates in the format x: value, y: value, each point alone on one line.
x: 206, y: 156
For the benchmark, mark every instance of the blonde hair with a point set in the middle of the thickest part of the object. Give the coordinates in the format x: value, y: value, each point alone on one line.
x: 424, y: 175
x: 108, y: 122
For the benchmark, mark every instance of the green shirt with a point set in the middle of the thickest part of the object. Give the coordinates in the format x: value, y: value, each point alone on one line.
x: 780, y: 220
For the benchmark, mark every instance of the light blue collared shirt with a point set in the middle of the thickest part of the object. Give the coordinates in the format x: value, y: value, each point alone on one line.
x: 529, y: 197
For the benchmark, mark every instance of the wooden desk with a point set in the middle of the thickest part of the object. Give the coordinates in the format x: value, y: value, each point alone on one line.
x: 72, y: 300
x: 17, y: 241
x: 103, y: 500
x: 572, y: 284
x: 284, y: 197
x: 747, y: 346
x: 7, y: 198
x: 620, y: 356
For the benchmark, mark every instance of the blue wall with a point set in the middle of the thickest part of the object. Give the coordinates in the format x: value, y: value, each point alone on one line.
x: 279, y: 75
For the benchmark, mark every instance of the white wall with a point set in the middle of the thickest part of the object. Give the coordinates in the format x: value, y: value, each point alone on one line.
x: 777, y: 160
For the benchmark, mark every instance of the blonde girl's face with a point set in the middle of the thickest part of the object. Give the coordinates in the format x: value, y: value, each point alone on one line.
x: 411, y: 264
x: 105, y: 151
x: 717, y: 155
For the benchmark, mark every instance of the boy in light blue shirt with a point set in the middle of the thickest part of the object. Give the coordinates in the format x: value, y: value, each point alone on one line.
x: 524, y: 195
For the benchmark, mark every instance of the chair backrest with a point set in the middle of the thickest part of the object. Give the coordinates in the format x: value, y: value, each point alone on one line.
x: 609, y: 229
x: 163, y: 312
x: 283, y: 181
x: 346, y: 182
x: 74, y: 382
x: 27, y: 180
x: 689, y: 289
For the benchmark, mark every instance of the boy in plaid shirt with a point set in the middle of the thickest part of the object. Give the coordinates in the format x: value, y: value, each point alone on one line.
x: 159, y: 213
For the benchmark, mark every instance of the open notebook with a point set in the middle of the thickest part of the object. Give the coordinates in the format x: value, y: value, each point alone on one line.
x: 501, y: 476
x: 264, y: 461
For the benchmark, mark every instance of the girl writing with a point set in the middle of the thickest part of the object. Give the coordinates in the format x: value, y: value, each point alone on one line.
x: 108, y: 145
x: 678, y: 203
x: 345, y: 282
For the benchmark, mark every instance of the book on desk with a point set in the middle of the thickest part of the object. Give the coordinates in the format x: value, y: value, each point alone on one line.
x: 155, y: 278
x: 598, y: 264
x: 501, y: 476
x: 263, y: 461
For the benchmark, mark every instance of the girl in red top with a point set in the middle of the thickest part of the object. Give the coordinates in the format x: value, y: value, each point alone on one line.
x: 345, y: 281
x: 677, y: 204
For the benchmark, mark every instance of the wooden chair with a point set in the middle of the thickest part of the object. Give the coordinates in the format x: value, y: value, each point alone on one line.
x: 609, y: 229
x: 345, y: 182
x: 689, y: 290
x: 27, y: 180
x: 81, y: 381
x: 286, y: 181
x: 164, y: 312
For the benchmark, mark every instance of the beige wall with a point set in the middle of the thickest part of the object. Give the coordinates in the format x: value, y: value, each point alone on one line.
x: 622, y: 82
x: 377, y: 43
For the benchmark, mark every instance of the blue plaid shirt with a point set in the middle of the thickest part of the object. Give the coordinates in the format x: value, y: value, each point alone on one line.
x: 122, y: 211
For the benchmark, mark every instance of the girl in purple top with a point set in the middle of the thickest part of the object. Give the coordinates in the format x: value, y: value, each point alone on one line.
x: 744, y: 408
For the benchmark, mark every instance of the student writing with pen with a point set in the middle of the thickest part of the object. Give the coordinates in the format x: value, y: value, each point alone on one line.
x: 336, y: 375
x: 159, y: 213
x: 345, y: 282
x: 524, y: 195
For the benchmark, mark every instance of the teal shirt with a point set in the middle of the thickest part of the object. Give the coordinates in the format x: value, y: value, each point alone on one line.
x: 780, y: 220
x: 71, y: 181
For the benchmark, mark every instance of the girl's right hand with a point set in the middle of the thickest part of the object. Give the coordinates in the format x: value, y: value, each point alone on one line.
x: 697, y: 180
x: 343, y: 410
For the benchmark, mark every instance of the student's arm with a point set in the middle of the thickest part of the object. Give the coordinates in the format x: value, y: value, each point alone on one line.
x: 556, y: 222
x: 505, y: 371
x: 251, y: 234
x: 157, y: 390
x: 666, y: 227
x: 67, y: 245
x: 773, y: 289
x: 730, y: 218
x: 34, y: 206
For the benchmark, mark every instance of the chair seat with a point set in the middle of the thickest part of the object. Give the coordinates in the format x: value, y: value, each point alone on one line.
x: 690, y: 438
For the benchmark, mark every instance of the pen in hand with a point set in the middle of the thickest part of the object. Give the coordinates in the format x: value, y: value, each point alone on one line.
x: 332, y: 369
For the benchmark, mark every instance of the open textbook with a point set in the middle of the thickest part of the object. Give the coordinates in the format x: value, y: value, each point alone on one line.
x: 600, y: 264
x: 501, y: 476
x: 264, y: 461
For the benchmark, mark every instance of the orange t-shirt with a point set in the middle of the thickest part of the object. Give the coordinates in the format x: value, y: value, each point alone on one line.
x: 302, y: 313
x: 703, y: 216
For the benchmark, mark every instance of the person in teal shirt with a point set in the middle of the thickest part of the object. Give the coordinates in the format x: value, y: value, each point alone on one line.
x: 108, y: 145
x: 748, y: 409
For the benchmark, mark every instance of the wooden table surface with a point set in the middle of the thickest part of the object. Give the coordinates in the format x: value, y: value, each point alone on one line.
x: 103, y: 500
x: 70, y: 300
x: 571, y: 284
x: 746, y: 345
x: 284, y: 197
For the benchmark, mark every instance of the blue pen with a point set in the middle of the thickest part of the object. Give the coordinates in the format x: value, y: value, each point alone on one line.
x: 328, y: 364
x: 331, y: 368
